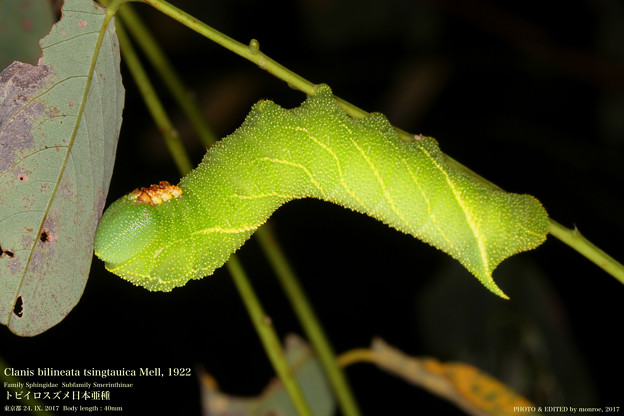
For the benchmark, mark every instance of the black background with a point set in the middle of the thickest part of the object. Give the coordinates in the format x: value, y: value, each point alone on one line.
x: 528, y: 94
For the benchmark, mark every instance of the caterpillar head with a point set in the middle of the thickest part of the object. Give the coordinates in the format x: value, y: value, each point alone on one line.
x: 130, y: 223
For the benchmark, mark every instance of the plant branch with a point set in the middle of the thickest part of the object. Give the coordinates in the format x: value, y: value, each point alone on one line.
x: 159, y: 61
x: 305, y: 314
x: 266, y: 332
x: 574, y: 239
x: 155, y: 107
x: 252, y: 53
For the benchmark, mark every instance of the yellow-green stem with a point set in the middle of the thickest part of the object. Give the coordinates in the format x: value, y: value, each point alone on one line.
x: 270, y: 341
x: 155, y: 107
x: 250, y: 52
x: 305, y: 313
x: 574, y: 239
x: 159, y: 61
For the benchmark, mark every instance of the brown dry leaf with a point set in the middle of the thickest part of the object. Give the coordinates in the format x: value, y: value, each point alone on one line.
x: 470, y: 389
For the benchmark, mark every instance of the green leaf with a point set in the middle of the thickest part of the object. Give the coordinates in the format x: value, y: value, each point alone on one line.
x: 22, y: 24
x: 274, y: 400
x: 59, y: 124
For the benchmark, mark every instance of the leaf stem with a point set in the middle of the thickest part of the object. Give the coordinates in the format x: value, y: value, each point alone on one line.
x: 266, y: 332
x: 357, y: 355
x: 158, y: 59
x: 155, y: 107
x: 305, y: 314
x: 574, y: 239
x: 250, y: 52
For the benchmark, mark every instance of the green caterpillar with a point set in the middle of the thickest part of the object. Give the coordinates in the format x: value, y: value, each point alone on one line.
x: 163, y: 236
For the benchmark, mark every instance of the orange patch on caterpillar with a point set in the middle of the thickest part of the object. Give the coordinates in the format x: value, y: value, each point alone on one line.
x: 155, y: 194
